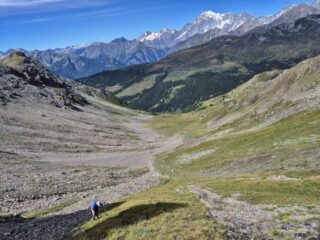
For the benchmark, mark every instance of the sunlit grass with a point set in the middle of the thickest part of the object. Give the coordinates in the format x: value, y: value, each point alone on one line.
x: 169, y: 211
x: 276, y: 164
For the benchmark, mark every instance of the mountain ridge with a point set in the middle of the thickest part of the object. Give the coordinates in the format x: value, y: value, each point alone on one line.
x: 21, y: 76
x: 287, y: 15
x: 188, y: 76
x: 85, y: 60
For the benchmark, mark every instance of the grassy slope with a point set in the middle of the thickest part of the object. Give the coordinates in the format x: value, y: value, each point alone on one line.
x: 246, y: 152
x: 14, y: 61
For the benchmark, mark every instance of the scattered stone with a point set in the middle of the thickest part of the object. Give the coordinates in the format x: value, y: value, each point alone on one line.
x: 246, y: 221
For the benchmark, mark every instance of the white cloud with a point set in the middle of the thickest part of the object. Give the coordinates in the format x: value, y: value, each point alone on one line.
x: 32, y: 7
x: 99, y: 12
x: 37, y: 11
x: 26, y: 3
x: 7, y: 4
x: 35, y: 20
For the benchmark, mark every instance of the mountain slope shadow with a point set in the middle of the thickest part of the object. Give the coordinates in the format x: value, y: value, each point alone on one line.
x: 51, y: 227
x: 128, y: 217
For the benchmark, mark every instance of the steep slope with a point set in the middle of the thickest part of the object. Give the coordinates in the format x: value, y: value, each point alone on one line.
x: 257, y: 174
x: 210, y: 20
x: 212, y: 69
x: 162, y: 40
x: 21, y: 76
x: 71, y: 66
x: 61, y: 144
x: 275, y: 111
x: 294, y: 13
x: 267, y: 98
x: 198, y: 39
x: 125, y: 51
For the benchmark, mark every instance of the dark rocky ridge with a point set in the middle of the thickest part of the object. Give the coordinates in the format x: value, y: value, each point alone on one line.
x: 21, y: 76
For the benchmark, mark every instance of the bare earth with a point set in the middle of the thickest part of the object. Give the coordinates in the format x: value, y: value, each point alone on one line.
x: 51, y: 156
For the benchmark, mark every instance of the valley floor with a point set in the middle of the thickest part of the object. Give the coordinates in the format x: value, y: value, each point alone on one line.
x: 205, y: 194
x: 248, y: 168
x: 54, y: 161
x: 244, y: 165
x: 201, y: 192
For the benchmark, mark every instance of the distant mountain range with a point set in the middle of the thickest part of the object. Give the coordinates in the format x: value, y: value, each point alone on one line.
x: 214, y: 68
x: 242, y: 24
x: 80, y: 61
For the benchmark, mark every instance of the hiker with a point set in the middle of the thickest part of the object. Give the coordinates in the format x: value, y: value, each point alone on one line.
x: 95, y: 205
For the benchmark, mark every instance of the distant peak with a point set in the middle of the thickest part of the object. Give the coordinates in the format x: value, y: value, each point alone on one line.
x: 15, y: 59
x: 247, y: 15
x: 210, y: 14
x: 164, y: 30
x: 78, y: 46
x: 121, y: 39
x: 316, y: 3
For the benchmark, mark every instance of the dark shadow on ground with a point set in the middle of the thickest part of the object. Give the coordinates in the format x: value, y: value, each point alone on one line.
x: 53, y: 227
x: 128, y: 217
x: 12, y: 219
x: 108, y: 207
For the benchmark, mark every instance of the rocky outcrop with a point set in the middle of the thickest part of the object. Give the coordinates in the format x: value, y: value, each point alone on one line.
x: 21, y: 76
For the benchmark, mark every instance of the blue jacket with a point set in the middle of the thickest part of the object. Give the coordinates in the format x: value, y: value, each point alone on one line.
x: 94, y: 204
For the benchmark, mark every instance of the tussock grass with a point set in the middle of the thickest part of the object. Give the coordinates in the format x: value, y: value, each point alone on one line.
x: 44, y: 212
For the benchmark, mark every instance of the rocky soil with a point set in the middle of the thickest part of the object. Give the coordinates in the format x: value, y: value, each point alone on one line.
x: 59, y: 156
x: 61, y: 224
x: 243, y: 220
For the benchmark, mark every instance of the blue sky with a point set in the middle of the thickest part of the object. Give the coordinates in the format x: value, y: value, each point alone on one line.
x: 43, y: 24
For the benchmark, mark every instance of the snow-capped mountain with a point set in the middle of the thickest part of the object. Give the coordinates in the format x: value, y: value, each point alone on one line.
x: 215, y: 24
x: 210, y: 20
x: 222, y: 22
x: 84, y: 60
x: 293, y: 13
x: 197, y: 32
x: 316, y: 3
x: 163, y: 39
